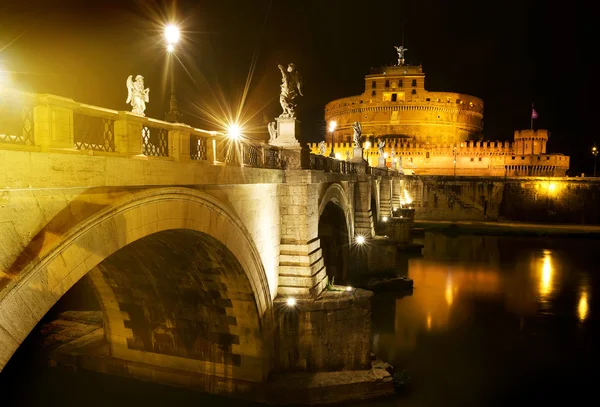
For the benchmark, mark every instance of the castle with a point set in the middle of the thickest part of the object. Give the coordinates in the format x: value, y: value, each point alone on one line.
x: 433, y: 133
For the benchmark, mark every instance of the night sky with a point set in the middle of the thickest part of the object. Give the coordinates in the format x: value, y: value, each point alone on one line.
x: 509, y: 53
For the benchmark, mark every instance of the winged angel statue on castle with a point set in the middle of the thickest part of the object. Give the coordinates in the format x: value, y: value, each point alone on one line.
x: 137, y: 95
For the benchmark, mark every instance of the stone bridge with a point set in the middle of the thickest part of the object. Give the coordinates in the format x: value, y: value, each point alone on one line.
x: 192, y: 241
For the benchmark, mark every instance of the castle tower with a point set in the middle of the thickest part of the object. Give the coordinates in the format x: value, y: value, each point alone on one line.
x: 530, y: 141
x: 396, y: 105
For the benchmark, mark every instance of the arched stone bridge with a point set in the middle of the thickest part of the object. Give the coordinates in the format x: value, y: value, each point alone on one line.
x: 192, y: 242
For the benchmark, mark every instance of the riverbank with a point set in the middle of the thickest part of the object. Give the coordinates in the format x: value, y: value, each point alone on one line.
x: 509, y: 228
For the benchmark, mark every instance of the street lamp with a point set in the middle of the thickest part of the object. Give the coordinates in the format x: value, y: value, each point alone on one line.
x: 595, y: 153
x: 172, y: 35
x: 332, y: 126
x: 454, y: 152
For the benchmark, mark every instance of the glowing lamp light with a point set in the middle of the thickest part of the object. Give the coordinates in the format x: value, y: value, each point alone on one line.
x: 172, y: 34
x: 385, y: 155
x: 385, y: 219
x: 348, y: 288
x: 395, y: 209
x: 367, y: 144
x: 170, y: 48
x: 291, y: 302
x: 332, y: 126
x: 338, y: 156
x: 360, y: 239
x: 234, y: 132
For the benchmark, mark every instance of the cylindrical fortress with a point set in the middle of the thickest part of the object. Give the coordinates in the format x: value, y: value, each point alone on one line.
x: 396, y: 104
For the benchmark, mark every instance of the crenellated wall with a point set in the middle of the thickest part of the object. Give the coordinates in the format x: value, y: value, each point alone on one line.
x: 473, y: 158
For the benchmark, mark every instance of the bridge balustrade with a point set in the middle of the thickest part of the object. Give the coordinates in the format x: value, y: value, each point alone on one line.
x: 328, y: 164
x: 52, y: 123
x: 16, y: 121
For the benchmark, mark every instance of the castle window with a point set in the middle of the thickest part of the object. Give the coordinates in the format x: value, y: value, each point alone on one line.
x: 547, y: 158
x: 387, y: 83
x: 414, y: 82
x: 427, y: 154
x: 513, y: 157
x: 414, y: 92
x: 480, y: 159
x: 400, y: 83
x: 394, y: 97
x: 428, y: 100
x: 472, y: 159
x: 373, y: 93
x: 457, y: 101
x: 373, y: 84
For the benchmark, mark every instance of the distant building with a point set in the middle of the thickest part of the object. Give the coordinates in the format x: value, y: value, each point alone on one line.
x: 434, y: 133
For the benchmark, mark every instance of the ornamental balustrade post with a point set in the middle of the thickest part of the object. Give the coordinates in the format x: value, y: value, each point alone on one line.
x: 128, y: 134
x: 53, y: 122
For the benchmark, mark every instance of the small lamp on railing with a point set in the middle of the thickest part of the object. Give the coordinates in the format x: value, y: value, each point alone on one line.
x: 332, y: 126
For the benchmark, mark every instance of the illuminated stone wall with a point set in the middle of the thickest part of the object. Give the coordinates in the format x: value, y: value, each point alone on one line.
x: 395, y: 102
x: 473, y: 158
x: 525, y: 199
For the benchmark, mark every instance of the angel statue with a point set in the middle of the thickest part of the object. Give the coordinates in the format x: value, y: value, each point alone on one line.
x: 291, y: 86
x: 357, y: 134
x: 322, y: 147
x: 272, y: 131
x: 400, y: 50
x: 137, y: 95
x: 381, y: 145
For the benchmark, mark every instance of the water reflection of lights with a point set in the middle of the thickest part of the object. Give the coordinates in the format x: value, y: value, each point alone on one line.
x: 449, y: 293
x: 429, y: 321
x: 582, y: 308
x: 547, y: 274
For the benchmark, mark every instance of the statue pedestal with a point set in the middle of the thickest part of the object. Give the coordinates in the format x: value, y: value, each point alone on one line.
x: 381, y: 163
x: 357, y: 155
x: 288, y: 130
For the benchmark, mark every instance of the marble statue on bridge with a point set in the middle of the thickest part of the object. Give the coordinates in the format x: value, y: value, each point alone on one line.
x: 291, y: 87
x: 137, y: 95
x: 356, y: 126
x: 380, y: 147
x: 322, y: 148
x: 272, y: 131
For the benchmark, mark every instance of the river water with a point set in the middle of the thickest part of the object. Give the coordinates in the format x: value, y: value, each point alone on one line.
x: 492, y: 321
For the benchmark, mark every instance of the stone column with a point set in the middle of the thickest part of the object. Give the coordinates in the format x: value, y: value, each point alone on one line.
x: 179, y: 144
x: 301, y: 266
x: 53, y: 118
x: 397, y: 192
x: 363, y: 217
x: 128, y: 134
x: 385, y: 197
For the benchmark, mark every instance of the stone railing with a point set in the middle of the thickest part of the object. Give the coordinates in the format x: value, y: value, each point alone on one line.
x: 329, y: 164
x: 52, y: 123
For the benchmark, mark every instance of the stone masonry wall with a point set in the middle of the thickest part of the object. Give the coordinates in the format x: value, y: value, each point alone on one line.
x: 524, y: 199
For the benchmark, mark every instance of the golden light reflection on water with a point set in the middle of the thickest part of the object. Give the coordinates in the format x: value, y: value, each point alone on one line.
x: 582, y: 308
x: 428, y: 321
x: 547, y: 275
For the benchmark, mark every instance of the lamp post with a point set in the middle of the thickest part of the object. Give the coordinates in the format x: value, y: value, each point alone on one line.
x: 172, y: 35
x: 595, y: 153
x: 454, y: 152
x: 332, y: 126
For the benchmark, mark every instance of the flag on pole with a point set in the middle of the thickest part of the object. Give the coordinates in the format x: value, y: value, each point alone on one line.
x: 534, y: 114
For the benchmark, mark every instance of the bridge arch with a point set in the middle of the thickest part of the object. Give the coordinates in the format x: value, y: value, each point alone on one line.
x: 335, y: 230
x: 193, y: 227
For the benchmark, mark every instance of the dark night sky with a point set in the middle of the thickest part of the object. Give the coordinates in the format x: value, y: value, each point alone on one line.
x: 509, y: 53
